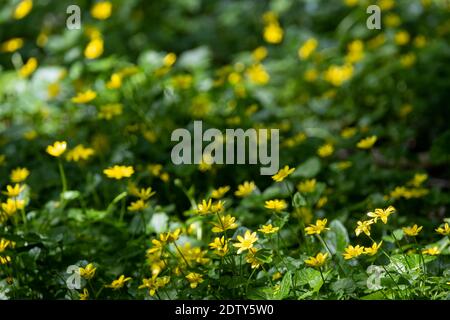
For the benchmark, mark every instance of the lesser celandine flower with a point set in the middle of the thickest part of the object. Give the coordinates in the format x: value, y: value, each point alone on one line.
x: 337, y: 75
x: 259, y: 53
x: 317, y: 228
x: 325, y: 150
x: 115, y: 81
x: 307, y: 48
x: 418, y: 179
x: 252, y: 258
x: 84, y: 97
x: 246, y: 242
x: 353, y: 252
x: 144, y: 193
x: 307, y: 186
x: 282, y: 174
x: 371, y: 251
x: 23, y: 9
x: 78, y: 153
x: 267, y: 229
x: 84, y: 295
x: 225, y: 223
x: 88, y: 272
x: 431, y: 251
x: 258, y: 74
x: 402, y: 37
x: 119, y: 172
x: 317, y: 261
x: 220, y: 246
x: 28, y: 68
x: 245, y: 189
x: 445, y: 231
x: 118, y: 283
x: 204, y: 207
x: 11, y: 206
x: 101, y: 10
x: 12, y: 45
x: 219, y: 192
x: 19, y: 175
x: 382, y: 214
x: 169, y: 59
x: 363, y: 226
x: 94, y: 48
x: 194, y: 279
x: 57, y: 149
x: 154, y: 283
x: 276, y: 205
x: 367, y: 143
x: 14, y: 191
x: 137, y: 205
x: 412, y: 231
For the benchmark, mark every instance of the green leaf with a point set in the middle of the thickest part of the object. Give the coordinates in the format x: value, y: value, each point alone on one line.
x: 298, y: 200
x: 70, y: 195
x: 337, y: 237
x: 285, y: 286
x: 309, y: 169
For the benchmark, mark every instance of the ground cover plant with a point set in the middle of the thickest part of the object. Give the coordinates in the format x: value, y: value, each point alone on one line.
x: 92, y: 206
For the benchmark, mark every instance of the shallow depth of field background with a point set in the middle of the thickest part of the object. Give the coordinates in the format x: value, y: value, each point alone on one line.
x: 312, y: 69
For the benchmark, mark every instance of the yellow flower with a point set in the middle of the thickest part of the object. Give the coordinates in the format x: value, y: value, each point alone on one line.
x: 5, y: 259
x: 119, y: 172
x: 311, y: 75
x: 407, y: 60
x: 246, y: 242
x: 282, y: 173
x: 317, y: 228
x: 28, y: 68
x: 84, y: 97
x: 169, y: 237
x: 258, y: 74
x: 79, y: 153
x: 218, y: 207
x: 14, y: 192
x: 367, y: 143
x: 348, y: 132
x: 371, y: 251
x: 12, y: 45
x: 273, y: 33
x: 12, y: 205
x: 137, y: 205
x: 84, y: 295
x: 307, y: 48
x: 337, y: 75
x: 4, y: 244
x: 101, y: 10
x: 363, y: 226
x: 412, y: 231
x: 353, y: 252
x: 225, y: 223
x: 245, y: 189
x: 118, y: 283
x: 325, y: 150
x: 307, y: 186
x: 23, y: 9
x: 115, y: 81
x: 204, y: 207
x: 386, y: 4
x: 402, y: 37
x: 169, y: 59
x: 145, y: 194
x: 219, y: 192
x: 276, y: 205
x: 194, y: 279
x: 419, y: 179
x: 87, y: 272
x: 392, y: 20
x: 57, y: 149
x: 431, y: 251
x: 94, y: 48
x: 220, y: 246
x: 355, y: 51
x: 445, y: 231
x: 108, y: 111
x: 317, y: 261
x: 154, y: 283
x: 267, y: 229
x: 259, y: 53
x: 343, y: 165
x: 253, y: 259
x: 381, y: 214
x: 19, y: 175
